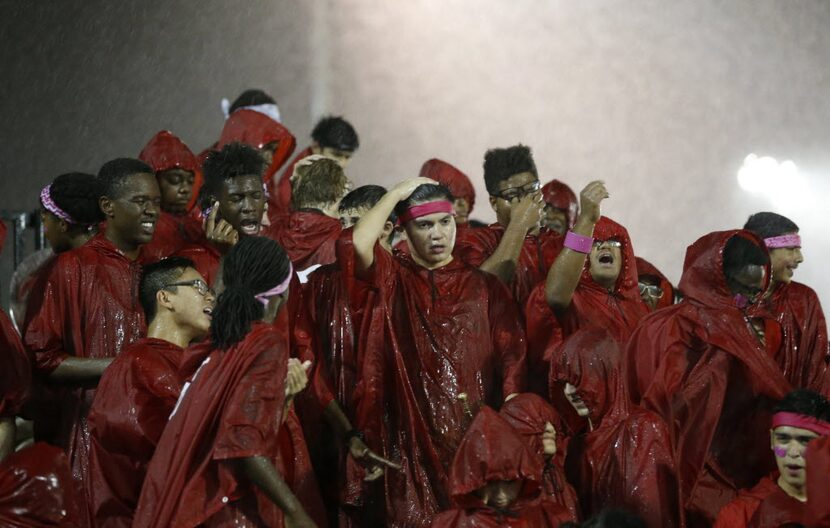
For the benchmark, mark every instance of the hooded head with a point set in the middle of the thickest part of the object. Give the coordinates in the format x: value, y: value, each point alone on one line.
x: 655, y: 289
x: 612, y: 256
x: 718, y: 273
x: 530, y: 415
x: 175, y: 167
x: 561, y: 206
x: 274, y: 141
x: 590, y: 365
x: 492, y: 452
x: 457, y: 182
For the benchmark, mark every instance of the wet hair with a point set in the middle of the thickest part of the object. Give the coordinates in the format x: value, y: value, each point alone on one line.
x: 364, y: 196
x: 233, y: 160
x: 806, y: 402
x: 154, y: 278
x: 767, y: 225
x: 250, y: 97
x: 740, y: 252
x: 424, y: 193
x: 253, y: 265
x: 502, y: 163
x: 78, y: 193
x: 609, y: 519
x: 114, y: 172
x: 320, y: 182
x: 335, y: 132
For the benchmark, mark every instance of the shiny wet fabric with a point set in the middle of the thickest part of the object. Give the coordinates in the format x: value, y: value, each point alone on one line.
x: 205, y: 258
x: 491, y: 450
x: 700, y: 365
x: 133, y: 401
x: 232, y: 409
x: 804, y: 353
x: 528, y: 414
x: 559, y: 195
x: 88, y: 309
x: 817, y: 459
x: 739, y: 512
x: 450, y: 177
x: 258, y: 130
x: 37, y: 489
x: 538, y: 253
x: 308, y: 237
x: 435, y: 334
x: 592, y: 306
x: 626, y: 461
x: 15, y: 370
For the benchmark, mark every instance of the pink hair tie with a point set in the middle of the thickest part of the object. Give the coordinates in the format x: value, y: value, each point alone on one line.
x: 52, y: 207
x: 417, y: 211
x: 801, y: 421
x: 578, y: 243
x: 784, y: 241
x: 265, y: 296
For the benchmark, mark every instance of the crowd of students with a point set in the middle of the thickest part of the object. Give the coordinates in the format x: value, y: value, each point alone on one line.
x: 239, y: 338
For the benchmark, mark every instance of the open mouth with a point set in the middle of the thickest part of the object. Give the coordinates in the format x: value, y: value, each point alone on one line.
x: 148, y: 226
x: 606, y: 259
x: 437, y: 249
x: 249, y: 227
x: 209, y: 311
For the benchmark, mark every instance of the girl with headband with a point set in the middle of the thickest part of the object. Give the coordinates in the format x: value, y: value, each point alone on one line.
x: 69, y: 210
x: 449, y: 329
x: 214, y: 463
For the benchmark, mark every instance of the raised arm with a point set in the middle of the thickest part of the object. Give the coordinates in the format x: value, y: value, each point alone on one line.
x: 524, y: 216
x: 563, y: 276
x: 370, y: 226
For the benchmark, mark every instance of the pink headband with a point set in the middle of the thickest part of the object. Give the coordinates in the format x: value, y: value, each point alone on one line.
x: 52, y: 207
x: 265, y: 296
x: 417, y: 211
x: 820, y: 427
x: 783, y: 241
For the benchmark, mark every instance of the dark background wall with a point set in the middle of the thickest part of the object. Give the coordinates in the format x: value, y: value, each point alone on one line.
x: 662, y: 100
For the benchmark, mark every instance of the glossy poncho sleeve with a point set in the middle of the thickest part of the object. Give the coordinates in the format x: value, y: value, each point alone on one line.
x: 15, y: 371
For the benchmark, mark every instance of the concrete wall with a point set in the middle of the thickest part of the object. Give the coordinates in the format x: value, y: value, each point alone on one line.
x: 662, y: 100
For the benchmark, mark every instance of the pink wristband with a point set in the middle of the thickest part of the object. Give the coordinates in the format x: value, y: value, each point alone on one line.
x: 578, y: 243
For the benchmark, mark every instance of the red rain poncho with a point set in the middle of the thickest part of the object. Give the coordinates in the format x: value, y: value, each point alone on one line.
x: 258, y: 130
x: 15, y: 370
x: 88, y: 309
x: 592, y: 306
x: 529, y: 414
x: 804, y: 351
x: 739, y: 512
x: 308, y: 237
x: 558, y: 195
x: 450, y: 177
x: 37, y: 490
x: 817, y: 458
x: 164, y: 152
x: 626, y: 460
x: 474, y: 246
x: 701, y: 367
x: 205, y: 258
x: 645, y: 267
x: 490, y: 451
x: 133, y: 401
x: 439, y: 333
x: 280, y: 200
x: 232, y: 409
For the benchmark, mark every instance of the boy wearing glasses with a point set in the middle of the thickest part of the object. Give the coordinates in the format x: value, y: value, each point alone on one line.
x: 138, y: 391
x: 781, y: 498
x: 514, y: 248
x: 592, y: 283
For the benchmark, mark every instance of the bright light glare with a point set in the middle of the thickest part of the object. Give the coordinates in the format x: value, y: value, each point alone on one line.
x: 779, y: 182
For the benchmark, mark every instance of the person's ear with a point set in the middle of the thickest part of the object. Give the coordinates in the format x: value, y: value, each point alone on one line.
x: 771, y: 439
x: 493, y: 203
x: 164, y: 300
x: 388, y: 227
x: 107, y: 206
x: 64, y: 226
